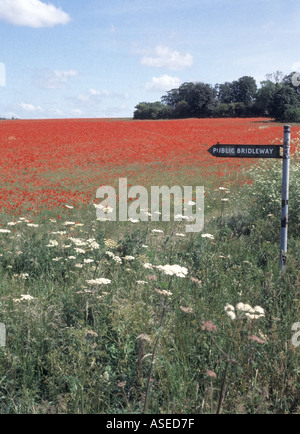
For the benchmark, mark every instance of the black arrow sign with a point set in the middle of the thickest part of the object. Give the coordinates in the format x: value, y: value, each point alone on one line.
x: 245, y: 151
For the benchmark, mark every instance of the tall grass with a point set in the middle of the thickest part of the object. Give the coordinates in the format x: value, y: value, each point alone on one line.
x: 147, y: 341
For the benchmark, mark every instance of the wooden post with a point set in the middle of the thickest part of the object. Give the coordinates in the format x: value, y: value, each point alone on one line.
x: 285, y: 196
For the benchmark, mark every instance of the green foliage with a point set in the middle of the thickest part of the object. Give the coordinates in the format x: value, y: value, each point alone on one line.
x: 264, y: 98
x: 277, y: 97
x: 284, y: 99
x: 267, y: 194
x: 155, y: 110
x: 292, y: 114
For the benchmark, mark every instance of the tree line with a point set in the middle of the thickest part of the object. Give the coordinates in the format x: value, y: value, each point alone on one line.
x: 278, y: 97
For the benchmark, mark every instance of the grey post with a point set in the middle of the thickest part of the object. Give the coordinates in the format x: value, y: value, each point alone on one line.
x: 285, y: 196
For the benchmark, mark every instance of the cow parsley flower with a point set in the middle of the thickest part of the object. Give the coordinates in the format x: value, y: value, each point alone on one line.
x: 210, y: 236
x: 157, y: 231
x: 52, y: 243
x: 173, y: 270
x: 100, y: 281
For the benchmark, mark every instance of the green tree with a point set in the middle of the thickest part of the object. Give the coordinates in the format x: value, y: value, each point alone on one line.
x: 264, y: 97
x: 200, y: 97
x: 182, y: 110
x: 225, y: 93
x: 244, y: 90
x: 284, y: 99
x: 148, y: 110
x: 172, y: 98
x: 192, y: 99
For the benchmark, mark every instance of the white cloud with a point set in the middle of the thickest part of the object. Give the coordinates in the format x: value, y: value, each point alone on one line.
x: 56, y: 79
x: 164, y: 57
x: 163, y: 83
x: 30, y: 107
x: 32, y: 13
x: 94, y: 96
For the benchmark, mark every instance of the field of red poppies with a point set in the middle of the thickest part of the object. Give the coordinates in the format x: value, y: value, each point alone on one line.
x: 49, y: 163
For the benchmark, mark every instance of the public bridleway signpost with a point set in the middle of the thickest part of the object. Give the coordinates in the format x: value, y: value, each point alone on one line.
x: 245, y: 151
x: 266, y: 151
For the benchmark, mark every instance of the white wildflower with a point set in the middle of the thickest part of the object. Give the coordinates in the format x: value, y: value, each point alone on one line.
x: 24, y: 276
x: 77, y: 250
x: 228, y: 308
x: 148, y: 265
x: 246, y: 311
x: 230, y: 311
x: 210, y: 236
x: 78, y: 242
x: 259, y: 310
x: 163, y: 292
x: 110, y: 254
x: 231, y: 315
x: 52, y: 243
x: 25, y: 297
x: 93, y: 244
x: 172, y: 270
x: 100, y: 281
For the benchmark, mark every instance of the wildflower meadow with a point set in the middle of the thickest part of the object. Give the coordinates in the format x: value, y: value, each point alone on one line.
x: 132, y: 317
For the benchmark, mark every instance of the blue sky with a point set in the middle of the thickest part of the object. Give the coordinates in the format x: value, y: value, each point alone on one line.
x: 96, y: 58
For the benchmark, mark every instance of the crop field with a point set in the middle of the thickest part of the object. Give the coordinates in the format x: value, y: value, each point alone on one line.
x: 108, y: 317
